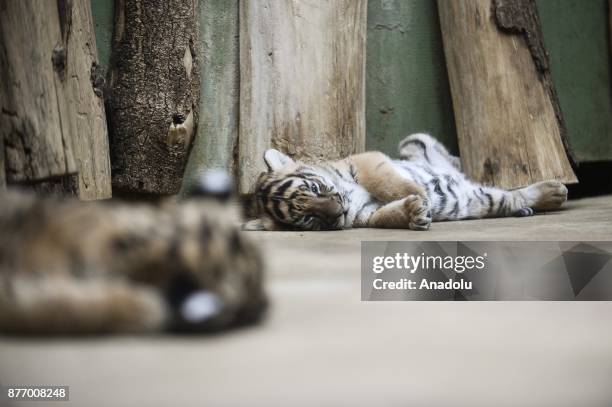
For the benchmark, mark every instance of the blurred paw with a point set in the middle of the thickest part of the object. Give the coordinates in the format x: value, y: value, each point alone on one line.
x: 216, y: 184
x: 258, y: 224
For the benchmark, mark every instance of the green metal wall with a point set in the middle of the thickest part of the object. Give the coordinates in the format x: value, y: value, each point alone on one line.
x: 407, y: 88
x: 577, y: 38
x: 217, y: 134
x: 103, y: 15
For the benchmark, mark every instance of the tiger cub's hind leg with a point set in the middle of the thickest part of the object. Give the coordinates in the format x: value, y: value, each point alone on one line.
x: 541, y: 196
x: 494, y: 202
x: 412, y: 212
x: 423, y: 147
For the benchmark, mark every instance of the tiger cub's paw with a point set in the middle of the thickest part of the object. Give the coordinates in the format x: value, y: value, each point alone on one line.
x: 521, y: 213
x: 254, y: 224
x: 259, y: 225
x: 417, y: 208
x: 547, y: 195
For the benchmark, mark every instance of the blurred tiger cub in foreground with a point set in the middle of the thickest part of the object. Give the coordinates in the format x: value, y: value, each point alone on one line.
x: 372, y: 190
x: 73, y: 267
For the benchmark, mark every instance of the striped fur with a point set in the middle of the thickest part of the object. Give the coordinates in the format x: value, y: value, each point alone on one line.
x: 371, y: 190
x: 68, y: 267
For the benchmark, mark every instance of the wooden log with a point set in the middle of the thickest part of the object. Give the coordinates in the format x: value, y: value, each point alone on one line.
x: 301, y: 81
x: 84, y: 92
x: 55, y: 128
x: 509, y: 124
x: 153, y: 105
x: 37, y: 139
x: 215, y: 143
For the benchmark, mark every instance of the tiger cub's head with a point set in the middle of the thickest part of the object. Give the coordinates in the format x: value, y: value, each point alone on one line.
x: 292, y: 195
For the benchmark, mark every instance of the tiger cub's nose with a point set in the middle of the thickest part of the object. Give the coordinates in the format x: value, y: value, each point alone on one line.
x: 335, y: 211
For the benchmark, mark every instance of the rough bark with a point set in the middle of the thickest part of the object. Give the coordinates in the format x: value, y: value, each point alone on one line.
x: 217, y: 133
x: 37, y: 142
x: 509, y: 123
x: 153, y: 105
x: 2, y: 172
x: 301, y: 81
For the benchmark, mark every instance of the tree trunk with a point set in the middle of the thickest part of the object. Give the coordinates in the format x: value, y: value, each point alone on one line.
x: 37, y: 138
x: 153, y: 106
x: 511, y: 131
x: 53, y: 126
x: 301, y: 81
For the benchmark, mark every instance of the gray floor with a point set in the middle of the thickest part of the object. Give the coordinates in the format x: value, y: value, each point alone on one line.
x: 321, y: 346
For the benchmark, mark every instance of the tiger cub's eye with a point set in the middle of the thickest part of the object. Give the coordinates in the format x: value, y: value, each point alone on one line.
x: 314, y: 188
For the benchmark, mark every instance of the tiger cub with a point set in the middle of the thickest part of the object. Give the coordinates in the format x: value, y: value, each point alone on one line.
x: 72, y: 267
x: 373, y: 190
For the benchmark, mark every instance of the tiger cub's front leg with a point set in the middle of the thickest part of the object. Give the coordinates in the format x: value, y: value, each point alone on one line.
x: 412, y: 212
x: 375, y: 172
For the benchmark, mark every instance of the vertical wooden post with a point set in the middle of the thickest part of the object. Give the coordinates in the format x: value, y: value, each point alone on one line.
x: 53, y: 123
x: 301, y: 81
x: 37, y: 142
x: 87, y: 117
x: 155, y: 89
x: 510, y: 127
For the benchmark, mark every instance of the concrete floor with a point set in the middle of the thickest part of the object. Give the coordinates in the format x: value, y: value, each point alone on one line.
x: 321, y: 345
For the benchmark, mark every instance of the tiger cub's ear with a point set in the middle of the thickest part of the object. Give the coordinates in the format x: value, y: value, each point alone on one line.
x: 275, y: 160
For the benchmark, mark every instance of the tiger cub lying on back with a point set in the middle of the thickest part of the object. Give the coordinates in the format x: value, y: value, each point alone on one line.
x: 372, y: 190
